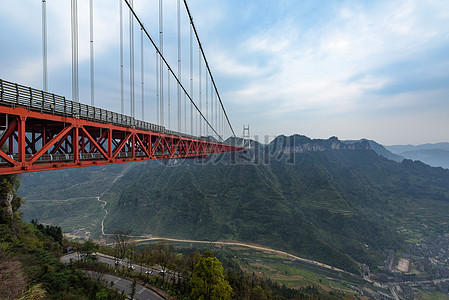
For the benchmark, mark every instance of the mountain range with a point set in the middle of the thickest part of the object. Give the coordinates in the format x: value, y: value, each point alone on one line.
x: 435, y: 155
x: 341, y: 203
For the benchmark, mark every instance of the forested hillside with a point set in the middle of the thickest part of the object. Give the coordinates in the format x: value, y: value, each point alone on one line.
x: 321, y: 199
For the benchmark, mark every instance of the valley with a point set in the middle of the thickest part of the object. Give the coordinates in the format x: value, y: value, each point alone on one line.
x: 340, y: 205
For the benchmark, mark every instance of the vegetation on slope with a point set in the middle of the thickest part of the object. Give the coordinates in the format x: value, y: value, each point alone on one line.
x: 334, y: 206
x: 336, y: 203
x: 187, y: 274
x: 29, y: 258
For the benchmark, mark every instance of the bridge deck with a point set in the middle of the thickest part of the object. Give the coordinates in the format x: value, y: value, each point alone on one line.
x: 43, y: 131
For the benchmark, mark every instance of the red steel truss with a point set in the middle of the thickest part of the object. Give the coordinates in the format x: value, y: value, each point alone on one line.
x: 33, y: 140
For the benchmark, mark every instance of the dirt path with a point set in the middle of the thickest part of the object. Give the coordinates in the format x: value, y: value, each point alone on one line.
x: 106, y: 214
x: 107, y: 189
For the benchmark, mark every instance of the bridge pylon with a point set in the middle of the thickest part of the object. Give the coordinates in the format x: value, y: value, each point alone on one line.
x: 246, y: 137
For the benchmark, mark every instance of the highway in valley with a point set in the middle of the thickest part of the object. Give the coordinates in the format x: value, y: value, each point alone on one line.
x: 251, y: 246
x: 122, y: 284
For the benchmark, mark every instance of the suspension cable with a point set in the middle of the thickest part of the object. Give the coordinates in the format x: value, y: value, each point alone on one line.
x: 92, y: 82
x: 161, y: 68
x: 142, y: 75
x: 165, y: 61
x: 74, y: 27
x: 207, y: 64
x: 157, y: 89
x: 179, y: 62
x: 200, y: 91
x: 131, y: 61
x: 122, y: 95
x: 214, y: 119
x: 44, y: 46
x: 207, y: 100
x: 191, y: 80
x: 212, y: 105
x: 168, y: 99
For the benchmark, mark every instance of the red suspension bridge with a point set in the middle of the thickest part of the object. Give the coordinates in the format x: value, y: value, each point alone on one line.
x: 43, y: 131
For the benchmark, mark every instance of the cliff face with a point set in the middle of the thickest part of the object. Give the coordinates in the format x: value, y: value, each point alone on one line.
x: 300, y: 144
x: 379, y: 149
x: 6, y: 212
x: 9, y: 201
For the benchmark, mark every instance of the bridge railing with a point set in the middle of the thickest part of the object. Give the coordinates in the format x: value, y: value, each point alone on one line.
x: 13, y: 94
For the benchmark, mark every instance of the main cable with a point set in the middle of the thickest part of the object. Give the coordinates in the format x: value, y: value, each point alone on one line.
x: 165, y: 61
x: 207, y: 64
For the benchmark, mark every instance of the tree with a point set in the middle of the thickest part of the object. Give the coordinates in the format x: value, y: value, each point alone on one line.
x: 121, y: 244
x: 102, y: 294
x: 163, y: 254
x: 258, y: 293
x: 35, y: 292
x: 87, y: 249
x: 190, y: 261
x: 208, y: 280
x: 53, y: 231
x: 133, y: 289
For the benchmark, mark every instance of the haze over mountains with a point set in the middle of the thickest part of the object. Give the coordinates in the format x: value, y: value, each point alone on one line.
x: 337, y: 202
x: 435, y: 155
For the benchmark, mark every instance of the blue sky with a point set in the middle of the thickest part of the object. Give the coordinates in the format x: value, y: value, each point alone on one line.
x: 352, y: 69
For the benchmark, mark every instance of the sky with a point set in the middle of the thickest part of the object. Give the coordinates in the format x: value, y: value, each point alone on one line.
x: 351, y: 69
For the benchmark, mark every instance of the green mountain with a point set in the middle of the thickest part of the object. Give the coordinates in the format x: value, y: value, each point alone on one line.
x: 335, y: 202
x: 379, y: 149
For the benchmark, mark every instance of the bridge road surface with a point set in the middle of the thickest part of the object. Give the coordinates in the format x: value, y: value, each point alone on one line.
x: 120, y: 283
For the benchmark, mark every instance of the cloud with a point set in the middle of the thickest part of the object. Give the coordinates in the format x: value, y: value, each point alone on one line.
x: 316, y: 66
x: 274, y: 61
x: 378, y: 59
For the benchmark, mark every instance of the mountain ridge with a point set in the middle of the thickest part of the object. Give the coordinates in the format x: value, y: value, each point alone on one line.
x: 403, y: 148
x: 435, y: 155
x: 379, y: 149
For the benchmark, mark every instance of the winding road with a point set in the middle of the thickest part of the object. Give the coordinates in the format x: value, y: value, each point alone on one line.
x: 122, y: 284
x: 106, y: 213
x: 104, y: 202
